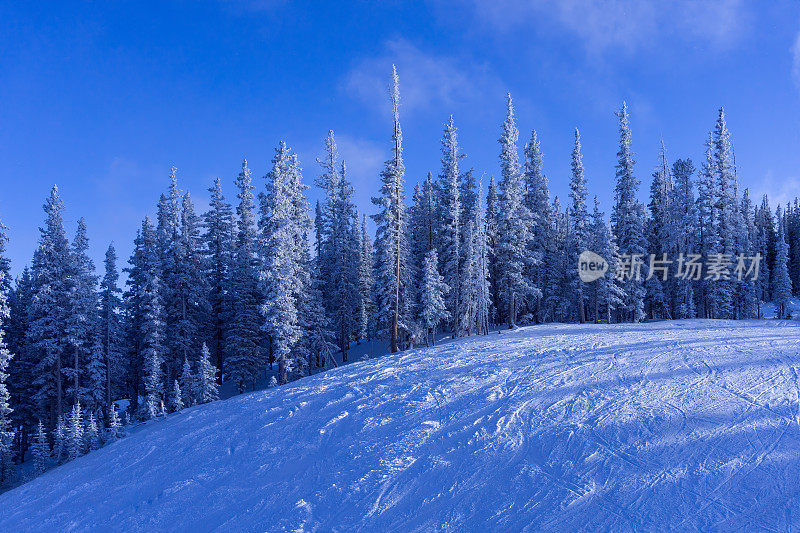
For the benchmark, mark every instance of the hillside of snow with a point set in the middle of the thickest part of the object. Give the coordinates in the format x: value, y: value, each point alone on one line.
x: 672, y: 425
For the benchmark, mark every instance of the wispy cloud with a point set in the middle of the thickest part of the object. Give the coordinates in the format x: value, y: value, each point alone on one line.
x: 623, y: 24
x: 427, y: 80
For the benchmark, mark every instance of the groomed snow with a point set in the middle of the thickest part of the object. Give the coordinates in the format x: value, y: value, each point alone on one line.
x: 660, y: 426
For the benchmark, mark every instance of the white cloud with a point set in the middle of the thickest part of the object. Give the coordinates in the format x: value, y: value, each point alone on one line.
x: 623, y: 24
x: 426, y: 80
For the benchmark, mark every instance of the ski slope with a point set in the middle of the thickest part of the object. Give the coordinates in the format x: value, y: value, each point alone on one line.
x: 673, y: 425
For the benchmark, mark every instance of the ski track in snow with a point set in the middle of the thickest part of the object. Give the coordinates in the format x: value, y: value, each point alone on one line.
x: 691, y: 425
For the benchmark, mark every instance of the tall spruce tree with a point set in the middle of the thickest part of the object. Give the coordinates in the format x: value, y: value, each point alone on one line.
x: 391, y: 248
x: 578, y: 226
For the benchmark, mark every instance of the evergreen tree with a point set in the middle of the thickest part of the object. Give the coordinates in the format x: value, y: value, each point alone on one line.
x: 75, y: 442
x: 365, y: 267
x: 41, y: 450
x: 492, y: 232
x: 109, y: 327
x: 188, y: 384
x: 91, y: 434
x: 50, y: 310
x: 608, y: 295
x: 782, y: 283
x: 114, y: 424
x: 177, y: 397
x: 513, y: 224
x: 450, y: 236
x: 207, y: 378
x: 218, y: 250
x: 153, y: 323
x: 682, y: 235
x: 627, y: 219
x: 6, y: 432
x: 244, y: 355
x: 537, y: 200
x: 423, y: 231
x: 391, y: 250
x: 60, y: 439
x: 658, y: 235
x: 285, y: 216
x: 480, y: 281
x: 578, y: 226
x: 433, y: 291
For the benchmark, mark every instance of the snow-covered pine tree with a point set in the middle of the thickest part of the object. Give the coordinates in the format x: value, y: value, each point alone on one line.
x: 627, y: 218
x: 423, y: 233
x: 243, y: 344
x: 82, y: 321
x: 433, y: 291
x: 191, y: 290
x: 20, y: 370
x: 41, y: 450
x: 285, y: 224
x: 707, y: 208
x: 512, y: 249
x: 188, y: 383
x: 169, y: 245
x: 91, y: 436
x: 60, y: 439
x: 480, y: 280
x: 218, y: 246
x: 208, y: 391
x: 727, y: 221
x: 492, y: 221
x: 365, y: 267
x: 6, y: 432
x: 450, y: 237
x: 781, y: 282
x: 176, y: 399
x: 537, y: 200
x: 657, y: 303
x: 50, y: 310
x: 153, y: 324
x: 682, y: 236
x: 608, y: 295
x: 765, y: 245
x: 558, y: 298
x: 391, y: 249
x: 114, y: 424
x: 578, y: 237
x: 746, y: 299
x: 75, y: 442
x: 109, y: 328
x: 316, y: 342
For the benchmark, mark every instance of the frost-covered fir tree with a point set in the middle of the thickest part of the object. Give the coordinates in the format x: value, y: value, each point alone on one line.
x: 91, y: 437
x: 109, y: 327
x: 49, y: 311
x: 75, y: 442
x: 537, y: 200
x: 316, y: 342
x: 423, y: 231
x: 450, y: 225
x: 432, y: 294
x: 153, y: 324
x: 81, y: 324
x: 170, y: 268
x: 176, y: 399
x: 6, y: 432
x: 244, y: 355
x: 218, y: 246
x: 40, y: 450
x: 658, y: 299
x: 188, y: 384
x: 627, y: 219
x: 512, y: 250
x: 208, y: 391
x: 114, y: 424
x: 578, y: 237
x: 682, y: 236
x: 391, y: 248
x: 558, y: 298
x: 60, y: 439
x: 608, y: 295
x: 365, y: 266
x: 285, y: 216
x: 765, y: 245
x: 480, y: 280
x: 492, y: 220
x: 781, y: 282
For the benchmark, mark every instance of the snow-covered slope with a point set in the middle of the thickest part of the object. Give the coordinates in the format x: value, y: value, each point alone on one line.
x: 675, y: 425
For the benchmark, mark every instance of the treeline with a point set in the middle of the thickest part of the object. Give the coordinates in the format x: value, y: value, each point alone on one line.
x: 225, y: 295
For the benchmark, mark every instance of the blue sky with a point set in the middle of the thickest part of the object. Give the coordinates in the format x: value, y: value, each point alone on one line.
x: 103, y: 97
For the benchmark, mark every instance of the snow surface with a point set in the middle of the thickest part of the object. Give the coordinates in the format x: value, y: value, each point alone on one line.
x: 672, y: 425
